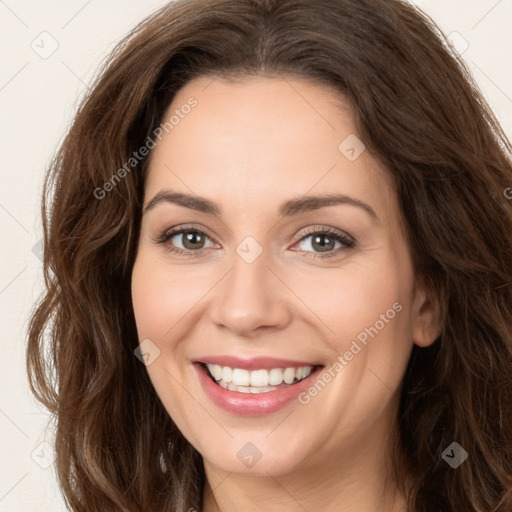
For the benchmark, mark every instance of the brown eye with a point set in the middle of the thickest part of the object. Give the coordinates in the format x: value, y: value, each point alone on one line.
x: 192, y: 239
x: 185, y: 241
x: 324, y: 241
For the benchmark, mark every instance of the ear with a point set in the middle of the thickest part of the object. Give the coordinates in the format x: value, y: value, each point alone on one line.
x: 426, y: 316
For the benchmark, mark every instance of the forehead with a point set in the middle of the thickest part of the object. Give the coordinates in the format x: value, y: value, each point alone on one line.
x: 252, y: 142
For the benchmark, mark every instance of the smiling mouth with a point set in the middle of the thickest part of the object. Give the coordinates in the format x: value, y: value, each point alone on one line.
x: 257, y: 381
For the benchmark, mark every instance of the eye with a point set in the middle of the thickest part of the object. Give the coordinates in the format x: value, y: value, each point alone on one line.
x: 191, y: 241
x: 324, y: 240
x: 184, y: 240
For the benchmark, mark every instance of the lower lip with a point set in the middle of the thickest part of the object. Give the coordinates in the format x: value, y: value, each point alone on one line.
x: 251, y: 404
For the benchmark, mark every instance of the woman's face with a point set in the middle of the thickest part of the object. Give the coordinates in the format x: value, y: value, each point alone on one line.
x: 258, y: 286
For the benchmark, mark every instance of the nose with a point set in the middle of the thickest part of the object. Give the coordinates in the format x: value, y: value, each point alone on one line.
x: 251, y: 299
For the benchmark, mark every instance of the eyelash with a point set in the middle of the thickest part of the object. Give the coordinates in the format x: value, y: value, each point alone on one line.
x: 347, y: 241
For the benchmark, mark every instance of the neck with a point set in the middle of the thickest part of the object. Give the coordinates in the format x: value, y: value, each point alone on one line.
x: 278, y: 494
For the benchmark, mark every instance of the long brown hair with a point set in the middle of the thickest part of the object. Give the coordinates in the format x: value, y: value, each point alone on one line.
x: 419, y: 113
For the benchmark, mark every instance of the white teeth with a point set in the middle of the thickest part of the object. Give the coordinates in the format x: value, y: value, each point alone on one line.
x: 227, y: 374
x: 240, y: 377
x: 289, y: 375
x: 217, y: 372
x: 275, y: 377
x: 259, y: 378
x: 256, y: 381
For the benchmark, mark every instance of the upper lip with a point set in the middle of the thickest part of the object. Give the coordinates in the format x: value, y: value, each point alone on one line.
x: 253, y: 363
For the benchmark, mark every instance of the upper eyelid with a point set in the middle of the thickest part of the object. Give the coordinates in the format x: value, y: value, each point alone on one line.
x: 186, y: 227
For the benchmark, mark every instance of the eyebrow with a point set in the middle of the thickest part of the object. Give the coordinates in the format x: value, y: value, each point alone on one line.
x: 289, y: 208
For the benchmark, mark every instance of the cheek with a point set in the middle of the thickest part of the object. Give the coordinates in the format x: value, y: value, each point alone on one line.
x: 352, y: 298
x: 161, y: 296
x: 376, y: 325
x: 366, y: 308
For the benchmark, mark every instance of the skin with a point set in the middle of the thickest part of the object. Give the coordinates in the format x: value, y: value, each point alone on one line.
x: 250, y: 145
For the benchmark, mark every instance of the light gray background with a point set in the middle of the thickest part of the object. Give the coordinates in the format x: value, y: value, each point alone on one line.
x: 38, y: 97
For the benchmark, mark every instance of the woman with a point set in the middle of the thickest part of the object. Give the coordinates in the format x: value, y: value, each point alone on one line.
x: 278, y: 268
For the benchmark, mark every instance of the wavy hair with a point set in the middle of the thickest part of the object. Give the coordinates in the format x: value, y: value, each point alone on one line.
x: 420, y: 114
